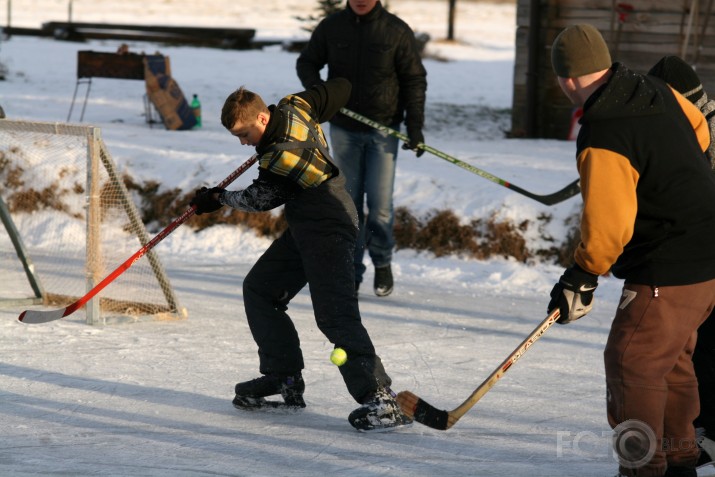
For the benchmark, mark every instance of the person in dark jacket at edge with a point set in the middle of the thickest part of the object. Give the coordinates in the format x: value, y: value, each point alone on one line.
x: 648, y: 217
x: 683, y: 78
x: 378, y: 53
x: 296, y: 170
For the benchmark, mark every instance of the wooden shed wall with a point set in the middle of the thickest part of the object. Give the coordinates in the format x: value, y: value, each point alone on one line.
x: 652, y: 29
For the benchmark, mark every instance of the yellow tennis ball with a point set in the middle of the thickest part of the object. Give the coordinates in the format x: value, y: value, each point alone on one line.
x: 338, y: 357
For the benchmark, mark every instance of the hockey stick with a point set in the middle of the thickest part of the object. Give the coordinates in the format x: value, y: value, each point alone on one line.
x: 428, y: 415
x: 549, y: 199
x: 36, y: 316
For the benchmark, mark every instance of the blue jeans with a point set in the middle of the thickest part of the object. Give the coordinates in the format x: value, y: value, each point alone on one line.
x: 367, y: 159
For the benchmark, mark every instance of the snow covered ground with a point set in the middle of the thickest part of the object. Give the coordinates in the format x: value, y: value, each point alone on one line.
x: 153, y: 398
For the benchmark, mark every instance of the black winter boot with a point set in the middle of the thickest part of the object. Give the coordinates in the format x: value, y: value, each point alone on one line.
x: 251, y: 394
x: 383, y: 280
x: 378, y: 413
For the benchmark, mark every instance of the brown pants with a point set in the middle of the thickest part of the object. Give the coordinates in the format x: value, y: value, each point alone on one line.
x: 649, y: 368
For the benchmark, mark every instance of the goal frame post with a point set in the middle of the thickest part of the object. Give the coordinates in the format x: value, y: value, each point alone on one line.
x: 24, y: 258
x: 98, y: 156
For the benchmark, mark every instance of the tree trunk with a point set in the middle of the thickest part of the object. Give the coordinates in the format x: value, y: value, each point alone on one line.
x: 450, y: 22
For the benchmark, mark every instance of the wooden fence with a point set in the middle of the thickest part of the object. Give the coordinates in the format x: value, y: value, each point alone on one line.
x: 639, y: 33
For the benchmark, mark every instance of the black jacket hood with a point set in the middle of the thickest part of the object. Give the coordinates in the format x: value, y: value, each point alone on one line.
x: 627, y: 94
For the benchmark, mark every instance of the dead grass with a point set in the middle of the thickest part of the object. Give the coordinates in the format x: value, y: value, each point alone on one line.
x: 159, y: 208
x: 28, y: 199
x: 440, y: 232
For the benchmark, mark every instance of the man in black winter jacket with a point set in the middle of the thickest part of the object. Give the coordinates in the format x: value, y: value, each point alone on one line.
x: 296, y: 170
x: 377, y: 52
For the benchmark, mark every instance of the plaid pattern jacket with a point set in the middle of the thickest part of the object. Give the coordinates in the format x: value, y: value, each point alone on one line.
x: 293, y: 152
x: 300, y: 151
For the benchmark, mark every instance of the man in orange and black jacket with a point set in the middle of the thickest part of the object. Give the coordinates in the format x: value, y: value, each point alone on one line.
x: 648, y: 217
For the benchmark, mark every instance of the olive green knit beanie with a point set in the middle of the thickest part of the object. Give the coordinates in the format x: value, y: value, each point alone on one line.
x: 579, y: 50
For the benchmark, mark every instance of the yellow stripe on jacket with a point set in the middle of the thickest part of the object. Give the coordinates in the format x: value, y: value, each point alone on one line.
x: 305, y: 166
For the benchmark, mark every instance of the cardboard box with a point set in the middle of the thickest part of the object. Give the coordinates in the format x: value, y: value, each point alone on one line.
x: 164, y: 92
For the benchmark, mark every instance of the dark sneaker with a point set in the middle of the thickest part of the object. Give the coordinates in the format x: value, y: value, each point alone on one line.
x: 379, y: 413
x: 383, y: 280
x: 252, y: 394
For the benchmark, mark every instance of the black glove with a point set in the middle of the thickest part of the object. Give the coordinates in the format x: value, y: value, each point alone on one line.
x: 573, y: 294
x: 416, y: 138
x: 204, y: 200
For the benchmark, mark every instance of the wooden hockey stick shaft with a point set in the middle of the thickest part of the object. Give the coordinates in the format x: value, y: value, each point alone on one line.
x: 38, y: 316
x: 549, y: 199
x: 430, y: 416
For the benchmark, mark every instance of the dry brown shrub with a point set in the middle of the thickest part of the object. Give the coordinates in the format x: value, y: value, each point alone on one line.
x: 440, y: 232
x: 573, y: 238
x: 157, y: 207
x: 265, y: 224
x: 31, y: 200
x: 405, y: 228
x: 504, y: 239
x: 28, y: 200
x: 11, y: 173
x: 443, y: 234
x: 161, y: 207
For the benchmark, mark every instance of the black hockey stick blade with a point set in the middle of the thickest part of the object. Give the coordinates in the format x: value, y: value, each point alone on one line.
x: 423, y: 412
x: 567, y: 192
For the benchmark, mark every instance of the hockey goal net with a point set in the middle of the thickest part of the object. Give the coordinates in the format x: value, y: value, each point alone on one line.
x: 69, y: 222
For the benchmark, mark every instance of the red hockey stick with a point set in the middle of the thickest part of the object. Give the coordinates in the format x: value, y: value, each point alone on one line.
x: 35, y: 316
x: 428, y: 415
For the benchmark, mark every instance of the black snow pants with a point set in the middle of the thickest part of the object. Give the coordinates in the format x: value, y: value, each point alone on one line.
x: 317, y: 249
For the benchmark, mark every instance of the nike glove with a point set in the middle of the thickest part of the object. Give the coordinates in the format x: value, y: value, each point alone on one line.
x: 573, y: 294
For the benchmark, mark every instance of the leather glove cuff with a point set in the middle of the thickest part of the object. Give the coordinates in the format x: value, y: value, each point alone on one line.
x: 575, y: 276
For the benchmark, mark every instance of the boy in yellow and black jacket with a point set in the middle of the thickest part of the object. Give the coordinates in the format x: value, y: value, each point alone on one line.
x: 296, y: 170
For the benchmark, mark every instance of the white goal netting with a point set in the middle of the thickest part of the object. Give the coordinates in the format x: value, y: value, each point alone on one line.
x: 71, y: 223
